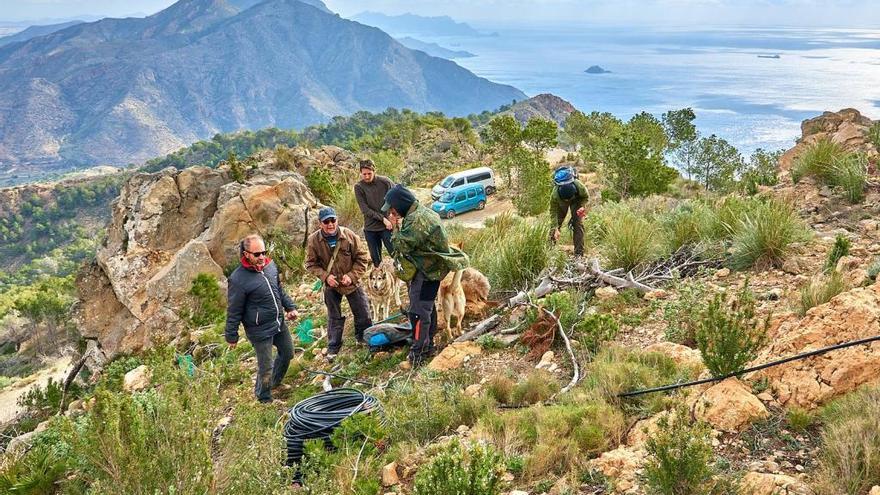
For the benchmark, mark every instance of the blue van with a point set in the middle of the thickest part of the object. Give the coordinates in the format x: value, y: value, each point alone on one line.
x: 460, y: 199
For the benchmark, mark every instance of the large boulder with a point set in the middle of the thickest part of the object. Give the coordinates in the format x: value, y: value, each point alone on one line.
x: 170, y: 226
x: 729, y: 406
x: 454, y: 356
x: 812, y: 381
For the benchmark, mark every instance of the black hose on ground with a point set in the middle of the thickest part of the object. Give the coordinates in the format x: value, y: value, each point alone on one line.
x: 796, y: 357
x: 317, y: 417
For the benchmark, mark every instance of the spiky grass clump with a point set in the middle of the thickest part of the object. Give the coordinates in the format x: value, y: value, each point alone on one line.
x: 765, y: 235
x: 689, y: 223
x: 820, y: 290
x: 839, y: 250
x: 850, y: 175
x: 850, y: 462
x: 631, y: 240
x: 817, y: 161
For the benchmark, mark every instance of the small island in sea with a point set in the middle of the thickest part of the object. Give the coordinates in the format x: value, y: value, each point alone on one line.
x: 595, y: 69
x: 775, y: 55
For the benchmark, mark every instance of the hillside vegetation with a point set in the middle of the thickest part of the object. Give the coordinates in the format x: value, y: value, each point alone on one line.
x: 773, y: 266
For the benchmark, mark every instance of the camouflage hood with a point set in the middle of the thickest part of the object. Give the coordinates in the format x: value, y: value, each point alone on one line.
x: 421, y: 244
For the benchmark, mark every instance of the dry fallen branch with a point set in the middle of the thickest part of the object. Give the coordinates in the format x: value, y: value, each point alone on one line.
x: 481, y: 328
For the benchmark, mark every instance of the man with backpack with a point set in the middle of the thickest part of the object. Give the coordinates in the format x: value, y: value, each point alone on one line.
x: 569, y: 196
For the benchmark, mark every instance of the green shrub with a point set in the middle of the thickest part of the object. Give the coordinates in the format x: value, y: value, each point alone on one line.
x: 839, y: 250
x: 850, y: 174
x: 817, y: 161
x: 42, y: 402
x: 729, y: 334
x: 287, y: 254
x: 593, y: 330
x: 490, y: 342
x: 323, y: 185
x: 38, y: 471
x: 236, y: 168
x: 208, y: 305
x: 461, y: 470
x: 356, y: 442
x: 115, y: 371
x: 682, y: 315
x: 764, y: 235
x: 347, y: 208
x: 533, y: 184
x: 819, y: 290
x: 389, y: 164
x: 679, y: 456
x: 849, y: 463
x: 156, y: 440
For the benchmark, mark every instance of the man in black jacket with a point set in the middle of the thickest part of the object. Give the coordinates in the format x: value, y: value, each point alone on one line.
x: 257, y: 300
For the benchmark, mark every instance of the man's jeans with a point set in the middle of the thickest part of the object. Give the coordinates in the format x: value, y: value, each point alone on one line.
x: 269, y: 375
x: 375, y: 241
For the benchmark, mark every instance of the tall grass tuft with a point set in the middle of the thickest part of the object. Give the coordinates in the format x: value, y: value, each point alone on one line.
x: 689, y: 223
x: 850, y: 175
x: 817, y: 161
x: 764, y: 235
x: 631, y: 240
x: 819, y: 290
x: 839, y: 250
x: 850, y: 463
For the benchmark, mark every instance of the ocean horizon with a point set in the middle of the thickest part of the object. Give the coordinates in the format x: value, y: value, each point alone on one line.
x: 752, y: 86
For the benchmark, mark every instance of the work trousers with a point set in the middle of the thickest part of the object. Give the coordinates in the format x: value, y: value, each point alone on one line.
x: 422, y: 316
x: 576, y: 223
x: 360, y: 308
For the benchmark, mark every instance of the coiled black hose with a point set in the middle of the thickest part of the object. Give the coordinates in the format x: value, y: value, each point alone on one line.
x: 317, y: 417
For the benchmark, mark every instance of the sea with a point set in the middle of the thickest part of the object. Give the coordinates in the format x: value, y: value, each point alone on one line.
x: 752, y: 86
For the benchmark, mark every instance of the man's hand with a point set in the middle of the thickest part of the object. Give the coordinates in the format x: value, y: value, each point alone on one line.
x: 555, y: 235
x: 581, y: 212
x: 232, y: 344
x: 388, y: 224
x: 331, y: 281
x: 291, y: 315
x: 346, y: 280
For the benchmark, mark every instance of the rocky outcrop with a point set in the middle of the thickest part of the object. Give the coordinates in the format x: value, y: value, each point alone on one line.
x: 848, y: 128
x: 545, y: 106
x: 170, y: 226
x: 772, y: 484
x: 622, y: 466
x: 454, y: 356
x: 809, y: 382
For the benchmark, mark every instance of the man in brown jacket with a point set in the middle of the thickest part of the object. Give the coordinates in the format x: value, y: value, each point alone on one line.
x: 336, y: 255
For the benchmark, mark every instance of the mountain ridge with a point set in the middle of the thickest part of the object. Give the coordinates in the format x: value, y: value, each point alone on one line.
x: 125, y: 90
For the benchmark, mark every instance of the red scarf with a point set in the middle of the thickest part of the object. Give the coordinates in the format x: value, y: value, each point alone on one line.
x: 245, y: 263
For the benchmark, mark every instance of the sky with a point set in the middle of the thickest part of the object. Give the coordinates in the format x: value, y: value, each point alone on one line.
x: 828, y: 13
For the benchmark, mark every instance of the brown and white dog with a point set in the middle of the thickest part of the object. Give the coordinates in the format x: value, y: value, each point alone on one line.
x: 383, y: 289
x: 464, y: 292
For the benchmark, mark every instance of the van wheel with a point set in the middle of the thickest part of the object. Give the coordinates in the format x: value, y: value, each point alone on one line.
x: 450, y: 214
x: 481, y: 205
x: 490, y: 190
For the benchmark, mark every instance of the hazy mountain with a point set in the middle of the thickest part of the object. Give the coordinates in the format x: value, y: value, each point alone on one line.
x: 124, y: 90
x: 433, y: 49
x: 411, y: 24
x: 34, y: 31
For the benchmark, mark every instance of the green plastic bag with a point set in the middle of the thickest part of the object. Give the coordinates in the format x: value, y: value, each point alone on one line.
x: 304, y: 331
x: 185, y: 362
x: 317, y: 286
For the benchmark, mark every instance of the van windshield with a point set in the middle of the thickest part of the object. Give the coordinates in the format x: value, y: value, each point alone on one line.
x: 447, y: 197
x: 447, y: 181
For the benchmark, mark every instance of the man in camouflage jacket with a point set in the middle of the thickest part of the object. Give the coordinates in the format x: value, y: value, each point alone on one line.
x: 424, y: 256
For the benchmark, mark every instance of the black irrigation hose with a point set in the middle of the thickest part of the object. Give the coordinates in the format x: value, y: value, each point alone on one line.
x: 796, y: 357
x: 317, y: 417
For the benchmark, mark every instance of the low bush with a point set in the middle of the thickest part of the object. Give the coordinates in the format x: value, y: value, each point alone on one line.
x: 287, y: 254
x: 37, y: 471
x: 679, y: 456
x: 630, y: 240
x: 839, y: 250
x: 322, y: 184
x: 874, y: 135
x: 799, y: 419
x: 500, y: 389
x: 874, y: 269
x: 764, y: 235
x: 207, y: 303
x: 687, y: 224
x: 819, y: 290
x: 849, y: 463
x: 817, y: 161
x: 351, y: 465
x: 346, y: 205
x: 682, y: 315
x: 729, y: 334
x: 461, y: 470
x: 537, y: 387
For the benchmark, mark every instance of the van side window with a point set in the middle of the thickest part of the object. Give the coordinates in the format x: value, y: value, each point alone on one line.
x: 479, y: 177
x: 460, y: 197
x: 472, y: 194
x: 458, y: 182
